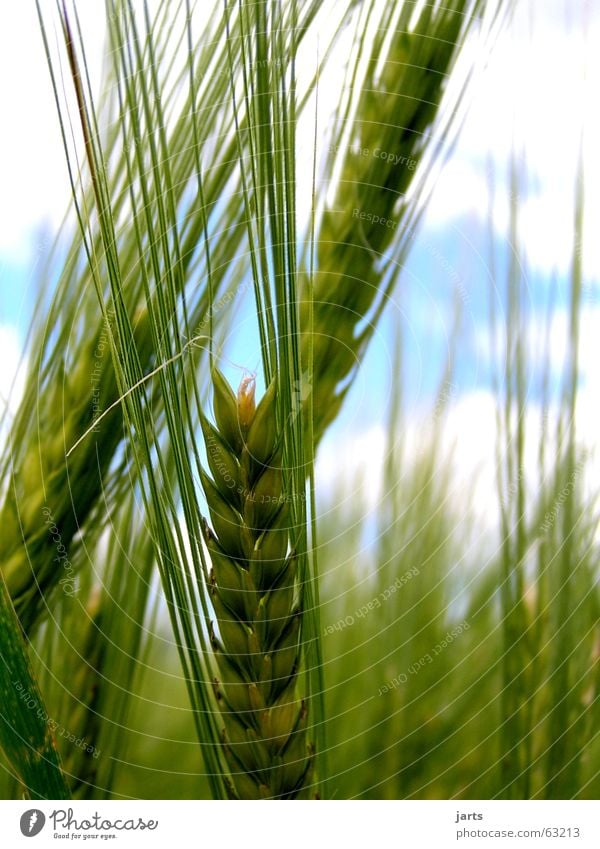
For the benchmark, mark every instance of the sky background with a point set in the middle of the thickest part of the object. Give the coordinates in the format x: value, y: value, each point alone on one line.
x: 536, y: 95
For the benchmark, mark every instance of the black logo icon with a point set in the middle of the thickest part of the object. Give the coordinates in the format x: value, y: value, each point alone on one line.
x: 32, y: 822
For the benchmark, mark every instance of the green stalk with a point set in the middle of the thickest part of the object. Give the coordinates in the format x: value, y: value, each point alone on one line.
x: 562, y: 767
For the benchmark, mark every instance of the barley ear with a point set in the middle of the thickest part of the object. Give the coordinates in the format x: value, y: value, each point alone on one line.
x: 253, y: 587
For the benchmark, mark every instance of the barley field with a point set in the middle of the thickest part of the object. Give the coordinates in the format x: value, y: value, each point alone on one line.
x: 298, y: 475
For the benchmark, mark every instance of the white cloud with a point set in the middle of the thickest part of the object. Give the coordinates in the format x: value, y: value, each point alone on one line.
x: 535, y: 95
x: 33, y: 173
x: 350, y: 465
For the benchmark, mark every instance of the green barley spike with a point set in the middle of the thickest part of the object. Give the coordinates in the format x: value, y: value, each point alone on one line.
x: 50, y: 497
x: 397, y: 110
x: 253, y: 585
